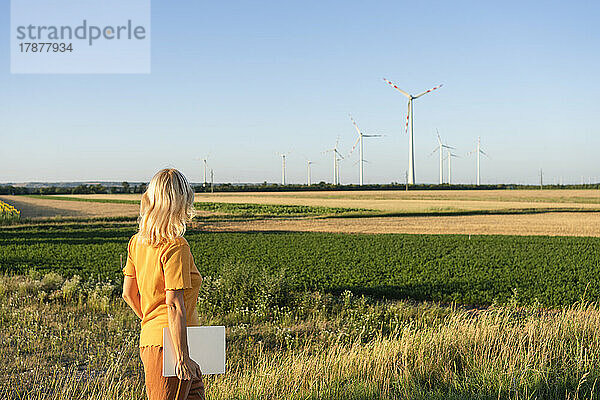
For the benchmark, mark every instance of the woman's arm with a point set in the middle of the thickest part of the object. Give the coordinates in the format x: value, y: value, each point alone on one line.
x: 131, y: 295
x: 185, y: 367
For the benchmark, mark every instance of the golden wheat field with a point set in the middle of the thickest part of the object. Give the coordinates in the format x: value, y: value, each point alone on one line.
x: 545, y: 224
x: 408, y: 201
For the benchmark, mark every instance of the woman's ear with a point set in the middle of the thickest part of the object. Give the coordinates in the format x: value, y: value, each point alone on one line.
x: 145, y: 201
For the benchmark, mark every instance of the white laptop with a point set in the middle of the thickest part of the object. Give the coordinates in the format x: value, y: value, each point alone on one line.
x: 206, y: 345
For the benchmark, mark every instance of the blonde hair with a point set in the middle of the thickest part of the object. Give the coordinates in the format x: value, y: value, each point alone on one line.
x: 166, y: 207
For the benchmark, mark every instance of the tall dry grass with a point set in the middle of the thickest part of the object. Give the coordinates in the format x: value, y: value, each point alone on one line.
x: 496, y: 353
x: 67, y: 339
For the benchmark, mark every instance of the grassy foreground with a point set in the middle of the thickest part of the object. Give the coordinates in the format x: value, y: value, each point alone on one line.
x: 75, y: 339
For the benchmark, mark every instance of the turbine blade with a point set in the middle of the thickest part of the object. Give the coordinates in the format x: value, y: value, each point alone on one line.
x: 354, y: 146
x: 397, y: 88
x: 372, y: 135
x: 433, y: 152
x: 355, y: 126
x: 427, y: 91
x: 407, y: 116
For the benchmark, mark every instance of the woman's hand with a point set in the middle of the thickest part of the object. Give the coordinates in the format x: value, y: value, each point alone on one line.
x: 187, y: 369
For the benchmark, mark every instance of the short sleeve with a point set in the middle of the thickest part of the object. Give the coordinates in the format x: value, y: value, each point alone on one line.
x: 177, y: 264
x: 129, y: 269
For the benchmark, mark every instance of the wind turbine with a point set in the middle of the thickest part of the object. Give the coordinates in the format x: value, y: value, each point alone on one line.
x: 409, y: 118
x: 204, y: 160
x: 441, y: 148
x: 340, y: 158
x: 283, y: 157
x: 449, y: 156
x: 478, y: 152
x: 336, y: 160
x: 204, y: 164
x: 359, y: 142
x: 308, y: 164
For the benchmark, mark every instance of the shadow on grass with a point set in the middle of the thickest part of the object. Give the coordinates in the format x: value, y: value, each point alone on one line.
x: 442, y: 292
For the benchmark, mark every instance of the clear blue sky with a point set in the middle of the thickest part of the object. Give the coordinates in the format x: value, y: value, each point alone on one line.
x: 241, y: 81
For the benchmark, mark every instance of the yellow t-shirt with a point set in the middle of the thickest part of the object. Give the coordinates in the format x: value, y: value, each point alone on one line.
x: 158, y: 269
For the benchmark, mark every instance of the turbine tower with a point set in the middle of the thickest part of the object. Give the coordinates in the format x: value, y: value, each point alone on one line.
x: 478, y: 152
x: 441, y: 148
x: 205, y: 168
x: 337, y: 156
x: 308, y: 164
x: 449, y: 156
x: 409, y: 118
x: 283, y: 157
x: 359, y: 142
x: 204, y: 160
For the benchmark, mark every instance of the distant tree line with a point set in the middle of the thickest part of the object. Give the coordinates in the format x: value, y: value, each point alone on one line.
x: 80, y: 189
x: 274, y: 187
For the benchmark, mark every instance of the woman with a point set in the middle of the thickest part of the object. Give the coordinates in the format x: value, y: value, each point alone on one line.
x: 161, y: 285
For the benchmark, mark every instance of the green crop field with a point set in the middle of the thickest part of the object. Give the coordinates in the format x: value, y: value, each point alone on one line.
x: 477, y: 270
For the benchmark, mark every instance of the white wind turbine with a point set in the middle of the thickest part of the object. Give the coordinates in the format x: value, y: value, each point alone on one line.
x: 340, y: 158
x: 449, y: 156
x: 308, y: 178
x: 478, y: 152
x: 337, y: 157
x: 409, y: 118
x: 283, y: 157
x: 359, y: 142
x: 205, y: 160
x: 441, y: 148
x: 205, y: 167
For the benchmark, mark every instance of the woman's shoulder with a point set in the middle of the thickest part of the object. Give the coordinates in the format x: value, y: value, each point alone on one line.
x: 132, y: 241
x: 174, y: 244
x: 173, y: 247
x: 178, y: 241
